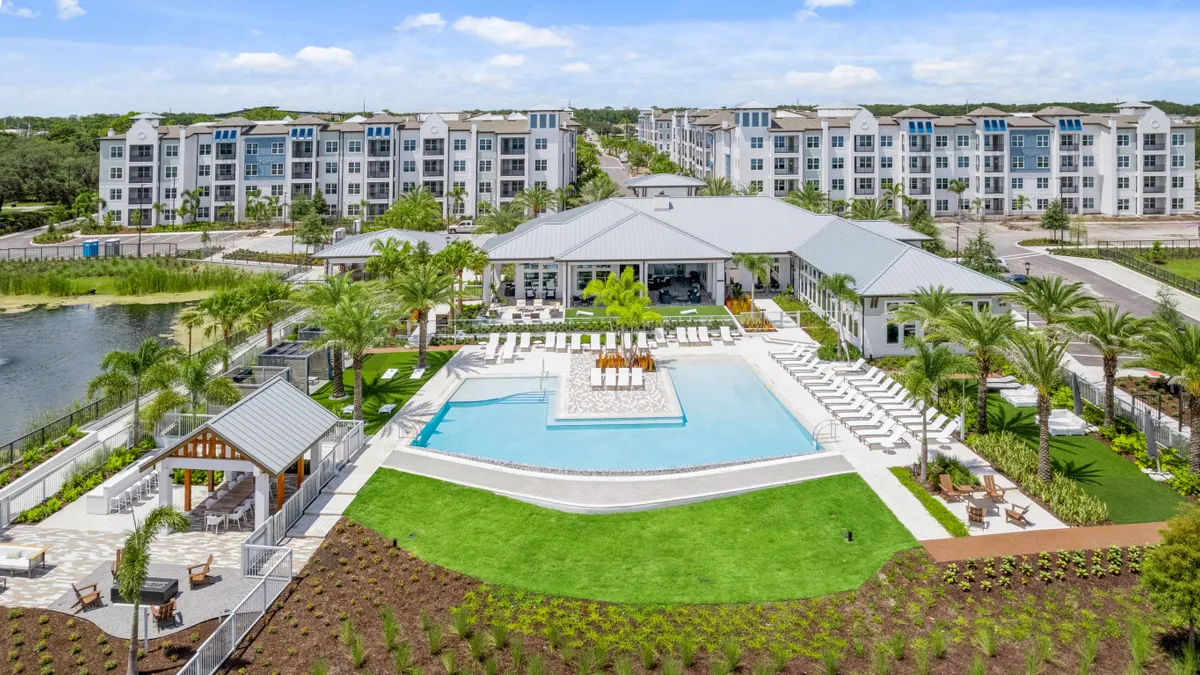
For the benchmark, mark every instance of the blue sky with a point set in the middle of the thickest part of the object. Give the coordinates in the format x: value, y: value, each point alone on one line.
x: 79, y: 56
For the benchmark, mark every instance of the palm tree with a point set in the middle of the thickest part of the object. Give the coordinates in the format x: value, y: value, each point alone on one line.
x: 191, y: 202
x: 633, y: 316
x: 324, y: 297
x: 871, y: 209
x: 1037, y: 358
x: 418, y: 209
x: 457, y: 196
x: 619, y: 295
x: 1020, y: 203
x: 418, y: 291
x: 598, y: 189
x: 1113, y: 333
x: 502, y: 219
x: 749, y: 190
x: 810, y: 198
x: 958, y: 186
x: 357, y: 323
x: 1176, y: 352
x: 1053, y: 299
x: 158, y: 209
x: 458, y: 257
x: 926, y: 374
x: 841, y: 288
x: 191, y: 319
x: 134, y: 566
x: 195, y: 375
x: 390, y: 257
x: 977, y: 203
x: 758, y: 265
x: 717, y: 186
x: 134, y: 374
x: 225, y: 310
x: 537, y: 199
x: 564, y: 198
x: 930, y: 304
x: 985, y: 334
x: 268, y: 299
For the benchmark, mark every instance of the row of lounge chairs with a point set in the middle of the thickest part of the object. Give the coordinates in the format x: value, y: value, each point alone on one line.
x: 1062, y: 422
x: 505, y: 352
x: 697, y: 336
x: 618, y: 378
x: 875, y: 408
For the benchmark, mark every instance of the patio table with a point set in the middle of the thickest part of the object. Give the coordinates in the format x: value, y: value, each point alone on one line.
x: 156, y: 591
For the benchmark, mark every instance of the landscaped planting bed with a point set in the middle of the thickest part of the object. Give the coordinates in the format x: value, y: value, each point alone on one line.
x: 83, y: 478
x: 360, y: 594
x: 41, y: 641
x: 1145, y: 384
x: 283, y: 258
x: 31, y: 457
x: 377, y: 391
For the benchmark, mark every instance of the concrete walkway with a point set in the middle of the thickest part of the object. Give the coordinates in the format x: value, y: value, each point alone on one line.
x: 1028, y: 543
x: 1137, y: 282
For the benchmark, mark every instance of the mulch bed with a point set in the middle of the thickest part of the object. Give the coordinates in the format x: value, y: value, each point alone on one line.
x: 41, y: 641
x: 1145, y: 384
x: 357, y: 573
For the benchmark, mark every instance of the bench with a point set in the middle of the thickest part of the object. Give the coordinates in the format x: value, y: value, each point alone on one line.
x: 15, y: 558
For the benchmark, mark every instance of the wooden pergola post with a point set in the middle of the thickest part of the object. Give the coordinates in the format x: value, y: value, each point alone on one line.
x: 299, y: 472
x: 187, y: 489
x: 212, y: 481
x: 279, y: 492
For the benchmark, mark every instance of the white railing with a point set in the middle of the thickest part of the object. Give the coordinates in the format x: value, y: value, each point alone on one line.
x: 224, y: 640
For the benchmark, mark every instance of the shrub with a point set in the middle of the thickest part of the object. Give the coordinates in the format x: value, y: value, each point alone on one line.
x: 959, y: 473
x: 19, y: 221
x: 935, y: 507
x: 1010, y: 455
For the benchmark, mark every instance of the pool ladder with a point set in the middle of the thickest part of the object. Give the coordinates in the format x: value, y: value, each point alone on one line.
x: 542, y: 378
x: 827, y: 427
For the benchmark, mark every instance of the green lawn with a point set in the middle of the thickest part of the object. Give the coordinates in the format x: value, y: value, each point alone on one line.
x: 378, y: 392
x: 665, y: 310
x: 1130, y: 495
x: 1184, y: 267
x: 773, y: 544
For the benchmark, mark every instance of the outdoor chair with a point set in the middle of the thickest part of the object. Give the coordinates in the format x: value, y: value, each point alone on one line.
x: 239, y: 514
x: 164, y: 613
x: 993, y: 490
x: 214, y: 521
x: 949, y: 490
x: 636, y: 379
x: 199, y: 574
x: 975, y: 516
x: 622, y: 378
x: 1016, y: 515
x: 87, y: 596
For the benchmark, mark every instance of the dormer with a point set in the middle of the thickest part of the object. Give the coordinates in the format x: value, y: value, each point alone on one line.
x: 544, y: 116
x: 752, y: 114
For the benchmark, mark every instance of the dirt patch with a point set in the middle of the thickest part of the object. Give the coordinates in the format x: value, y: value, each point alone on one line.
x: 1135, y: 385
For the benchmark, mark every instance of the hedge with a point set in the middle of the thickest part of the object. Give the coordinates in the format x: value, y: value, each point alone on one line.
x: 935, y: 508
x: 19, y: 221
x: 1011, y: 456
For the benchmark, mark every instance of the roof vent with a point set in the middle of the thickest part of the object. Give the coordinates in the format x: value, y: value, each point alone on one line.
x: 112, y: 132
x: 662, y: 202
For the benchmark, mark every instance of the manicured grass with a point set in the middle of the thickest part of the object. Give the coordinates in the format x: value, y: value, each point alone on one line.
x: 665, y: 310
x: 1184, y: 267
x: 774, y: 544
x: 377, y: 392
x: 934, y: 506
x: 1130, y: 495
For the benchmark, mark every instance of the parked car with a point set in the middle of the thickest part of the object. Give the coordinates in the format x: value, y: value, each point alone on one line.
x: 461, y: 227
x: 1003, y: 265
x: 1018, y: 279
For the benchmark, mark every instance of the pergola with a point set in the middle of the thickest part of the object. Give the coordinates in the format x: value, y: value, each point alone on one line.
x: 264, y: 434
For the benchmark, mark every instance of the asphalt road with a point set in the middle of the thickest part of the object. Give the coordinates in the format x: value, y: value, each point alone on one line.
x: 616, y: 171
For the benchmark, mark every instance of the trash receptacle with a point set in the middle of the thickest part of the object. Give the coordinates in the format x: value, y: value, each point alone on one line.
x: 112, y: 248
x: 91, y: 248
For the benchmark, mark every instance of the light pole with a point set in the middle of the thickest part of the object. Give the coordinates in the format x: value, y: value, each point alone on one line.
x: 1027, y: 281
x: 957, y: 229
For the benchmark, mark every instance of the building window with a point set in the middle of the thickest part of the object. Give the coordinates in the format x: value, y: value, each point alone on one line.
x: 1018, y: 141
x: 964, y: 141
x: 460, y: 144
x: 251, y: 148
x: 885, y: 141
x: 485, y: 187
x: 1043, y: 140
x: 204, y: 149
x: 409, y: 145
x: 1123, y: 183
x: 1043, y: 162
x: 943, y: 205
x: 1176, y: 203
x: 837, y: 162
x: 756, y: 165
x: 756, y: 185
x: 114, y: 195
x: 837, y: 184
x: 941, y: 162
x: 353, y: 188
x: 277, y: 190
x: 540, y: 164
x: 810, y: 163
x: 942, y: 183
x: 277, y: 169
x: 1042, y: 203
x: 1177, y: 161
x: 837, y: 141
x: 116, y: 152
x: 1043, y: 183
x: 251, y: 170
x: 331, y: 167
x: 331, y: 147
x: 1123, y: 204
x: 171, y: 150
x: 1123, y: 142
x: 331, y: 188
x: 354, y: 167
x: 485, y: 144
x: 756, y: 142
x: 1177, y: 181
x: 1122, y: 161
x: 116, y: 173
x: 941, y: 141
x: 1088, y: 160
x: 485, y: 166
x: 812, y: 142
x: 1089, y: 181
x: 117, y: 215
x: 539, y: 144
x: 964, y: 162
x: 1018, y: 183
x: 1089, y: 202
x: 885, y: 162
x: 886, y: 183
x: 1018, y: 162
x: 410, y: 165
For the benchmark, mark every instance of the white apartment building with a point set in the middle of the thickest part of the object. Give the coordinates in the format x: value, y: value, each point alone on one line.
x: 1135, y: 161
x: 360, y: 166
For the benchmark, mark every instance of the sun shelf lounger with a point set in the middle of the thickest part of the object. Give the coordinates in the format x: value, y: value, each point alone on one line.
x: 576, y: 342
x: 526, y: 342
x: 886, y: 443
x: 492, y: 350
x: 610, y: 378
x: 858, y: 404
x: 660, y: 337
x: 642, y: 343
x: 551, y: 339
x: 610, y: 341
x: 389, y: 373
x: 560, y: 343
x: 681, y: 336
x: 850, y: 367
x: 1023, y: 397
x: 597, y: 378
x: 594, y: 342
x: 884, y: 431
x: 637, y: 379
x: 508, y: 352
x: 1066, y: 423
x: 693, y: 336
x: 871, y: 422
x: 702, y: 331
x: 627, y: 342
x: 348, y: 409
x: 1005, y: 382
x: 622, y: 378
x: 726, y: 336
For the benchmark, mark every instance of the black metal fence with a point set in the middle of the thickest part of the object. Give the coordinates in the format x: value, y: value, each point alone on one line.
x: 1190, y: 245
x: 1121, y: 255
x: 127, y: 250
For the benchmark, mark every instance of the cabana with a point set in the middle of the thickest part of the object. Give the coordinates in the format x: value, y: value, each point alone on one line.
x: 265, y: 434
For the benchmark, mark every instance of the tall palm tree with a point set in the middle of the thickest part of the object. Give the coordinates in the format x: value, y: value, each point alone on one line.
x: 1037, y: 358
x: 1053, y: 299
x: 195, y: 375
x: 631, y: 317
x: 1113, y: 333
x: 536, y: 198
x: 598, y: 189
x: 620, y: 294
x: 502, y: 219
x: 157, y: 207
x: 564, y: 198
x: 458, y: 257
x: 324, y: 297
x: 717, y: 186
x: 226, y: 311
x: 191, y: 199
x: 357, y: 323
x: 390, y: 258
x: 758, y: 265
x: 871, y: 209
x: 840, y: 287
x: 958, y: 186
x: 985, y: 334
x: 268, y: 299
x: 809, y: 197
x: 1176, y: 352
x: 930, y: 304
x: 977, y: 203
x: 149, y: 368
x: 418, y: 291
x: 418, y: 209
x: 191, y: 319
x: 924, y: 375
x: 749, y: 190
x: 457, y: 196
x: 1020, y: 203
x: 134, y: 566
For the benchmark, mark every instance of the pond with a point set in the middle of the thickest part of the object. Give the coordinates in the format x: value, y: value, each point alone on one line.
x: 47, y: 356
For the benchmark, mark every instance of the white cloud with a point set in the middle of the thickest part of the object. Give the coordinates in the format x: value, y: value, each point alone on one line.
x: 69, y: 9
x: 255, y: 31
x: 7, y: 7
x: 841, y: 77
x: 948, y: 73
x: 504, y: 32
x: 326, y: 56
x: 501, y: 81
x: 576, y: 68
x: 811, y: 7
x: 630, y: 55
x: 508, y: 60
x: 260, y: 61
x: 430, y: 20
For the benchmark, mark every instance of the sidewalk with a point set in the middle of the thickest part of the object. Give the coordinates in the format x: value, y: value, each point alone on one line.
x: 1134, y: 281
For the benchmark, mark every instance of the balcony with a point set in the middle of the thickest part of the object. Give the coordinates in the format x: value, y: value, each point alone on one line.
x: 1154, y: 189
x: 921, y: 144
x: 230, y: 156
x: 863, y: 192
x: 1157, y: 146
x: 379, y: 173
x: 438, y: 172
x: 1068, y: 147
x: 434, y: 151
x: 919, y: 191
x: 141, y: 159
x: 1154, y: 168
x: 1069, y: 189
x: 139, y: 180
x: 379, y: 148
x: 919, y: 167
x: 787, y: 149
x: 993, y: 190
x: 1069, y: 168
x: 993, y: 212
x: 993, y: 168
x: 378, y: 194
x: 514, y: 173
x: 223, y: 198
x: 859, y: 168
x: 864, y: 148
x: 509, y: 194
x: 297, y: 175
x: 134, y: 201
x: 226, y: 176
x: 1154, y: 211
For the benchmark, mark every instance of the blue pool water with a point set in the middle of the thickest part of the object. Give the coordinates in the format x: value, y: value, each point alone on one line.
x: 729, y: 416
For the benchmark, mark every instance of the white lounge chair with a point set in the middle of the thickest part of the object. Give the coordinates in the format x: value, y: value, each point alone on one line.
x: 702, y: 332
x: 610, y: 378
x: 622, y: 378
x: 891, y: 441
x: 1023, y: 397
x: 642, y: 343
x: 798, y: 349
x: 822, y: 375
x: 537, y: 303
x: 1001, y: 383
x: 508, y: 353
x: 492, y: 350
x: 850, y: 367
x: 627, y: 342
x: 551, y: 339
x: 681, y: 336
x: 597, y: 378
x: 637, y: 379
x: 526, y: 342
x: 560, y: 344
x: 660, y: 337
x: 872, y: 378
x: 610, y: 341
x: 857, y: 403
x: 871, y: 422
x: 884, y: 431
x: 894, y: 389
x: 945, y: 435
x: 726, y: 336
x: 594, y: 342
x: 885, y: 385
x: 693, y: 336
x: 1066, y: 423
x: 519, y: 303
x: 576, y: 342
x: 838, y: 392
x: 851, y: 398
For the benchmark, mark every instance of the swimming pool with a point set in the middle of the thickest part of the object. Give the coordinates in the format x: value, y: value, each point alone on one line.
x: 729, y: 416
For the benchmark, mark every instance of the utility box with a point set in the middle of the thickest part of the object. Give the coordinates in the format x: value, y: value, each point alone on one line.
x: 339, y: 234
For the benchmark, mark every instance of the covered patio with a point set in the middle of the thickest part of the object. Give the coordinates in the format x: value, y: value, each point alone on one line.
x: 255, y: 443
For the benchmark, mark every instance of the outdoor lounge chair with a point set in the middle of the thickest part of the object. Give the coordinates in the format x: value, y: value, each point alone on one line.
x: 867, y: 435
x: 622, y: 378
x: 891, y: 392
x: 951, y: 491
x: 610, y: 341
x: 808, y: 360
x: 561, y: 343
x: 837, y: 391
x: 681, y: 336
x: 726, y: 336
x: 660, y: 337
x: 164, y: 613
x: 199, y: 574
x: 627, y: 342
x: 945, y: 435
x: 87, y: 596
x: 597, y: 378
x: 594, y: 342
x: 798, y: 350
x: 975, y: 516
x: 576, y: 342
x: 853, y: 410
x: 526, y: 342
x: 610, y: 378
x: 551, y: 339
x: 876, y: 418
x: 1001, y: 383
x: 508, y: 351
x: 1024, y: 397
x: 888, y: 443
x: 702, y: 331
x: 851, y: 401
x: 994, y: 491
x: 1016, y: 514
x: 1066, y: 423
x: 850, y: 367
x: 637, y: 379
x: 642, y: 343
x: 693, y: 336
x: 492, y: 350
x: 871, y: 378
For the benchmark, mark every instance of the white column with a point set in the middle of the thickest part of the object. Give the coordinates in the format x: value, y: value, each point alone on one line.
x: 262, y: 497
x: 488, y: 275
x: 314, y: 457
x: 166, y: 488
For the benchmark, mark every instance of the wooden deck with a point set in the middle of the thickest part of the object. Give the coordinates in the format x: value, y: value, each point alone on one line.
x: 1025, y: 543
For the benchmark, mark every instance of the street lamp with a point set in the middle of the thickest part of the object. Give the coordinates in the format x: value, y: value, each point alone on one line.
x: 1027, y: 281
x: 957, y: 229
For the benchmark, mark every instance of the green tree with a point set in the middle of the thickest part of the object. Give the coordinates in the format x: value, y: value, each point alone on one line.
x: 268, y: 299
x: 1176, y: 352
x: 920, y: 220
x: 501, y: 220
x: 1037, y: 358
x: 1166, y: 308
x: 148, y: 369
x: 134, y: 567
x: 391, y: 257
x: 300, y: 207
x: 1114, y: 334
x: 929, y: 307
x: 840, y: 288
x: 320, y: 206
x: 924, y: 376
x: 359, y: 322
x: 191, y: 319
x: 980, y: 255
x: 416, y: 210
x: 1171, y: 572
x: 190, y: 204
x: 717, y: 186
x: 598, y: 189
x: 985, y: 335
x: 196, y: 377
x: 958, y: 186
x: 977, y: 203
x: 322, y: 298
x: 623, y: 297
x: 1055, y: 218
x: 418, y: 291
x: 312, y: 231
x: 564, y: 198
x: 1020, y: 204
x: 457, y: 196
x: 225, y: 311
x: 871, y: 209
x: 661, y: 163
x: 810, y: 198
x: 87, y: 205
x: 758, y: 265
x: 458, y: 257
x: 1053, y: 299
x: 536, y: 198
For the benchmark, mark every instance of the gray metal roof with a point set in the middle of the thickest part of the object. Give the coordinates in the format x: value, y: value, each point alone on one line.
x: 650, y: 237
x: 664, y: 180
x: 892, y: 230
x: 274, y: 425
x: 360, y: 245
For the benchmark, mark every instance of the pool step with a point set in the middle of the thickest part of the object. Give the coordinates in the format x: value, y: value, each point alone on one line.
x: 526, y: 397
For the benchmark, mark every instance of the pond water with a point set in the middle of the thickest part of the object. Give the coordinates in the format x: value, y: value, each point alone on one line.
x: 47, y: 356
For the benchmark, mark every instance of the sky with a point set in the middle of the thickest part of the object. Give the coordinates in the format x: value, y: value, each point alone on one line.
x: 60, y: 57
